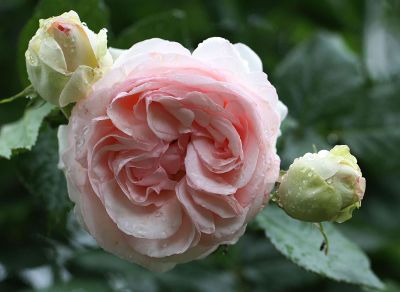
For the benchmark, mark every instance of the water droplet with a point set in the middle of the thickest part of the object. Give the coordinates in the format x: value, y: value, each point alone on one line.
x: 139, y: 231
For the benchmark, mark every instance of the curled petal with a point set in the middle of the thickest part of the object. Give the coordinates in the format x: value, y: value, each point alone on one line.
x: 202, y: 218
x: 178, y: 243
x: 252, y: 59
x: 139, y: 221
x: 198, y: 177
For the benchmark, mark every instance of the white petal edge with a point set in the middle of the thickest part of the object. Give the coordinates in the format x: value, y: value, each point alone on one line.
x: 253, y: 61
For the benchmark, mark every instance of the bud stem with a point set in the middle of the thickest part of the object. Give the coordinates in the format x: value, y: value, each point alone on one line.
x: 325, y: 242
x: 27, y: 92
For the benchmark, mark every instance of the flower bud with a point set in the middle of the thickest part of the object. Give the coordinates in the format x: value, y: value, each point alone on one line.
x: 65, y: 58
x: 323, y: 186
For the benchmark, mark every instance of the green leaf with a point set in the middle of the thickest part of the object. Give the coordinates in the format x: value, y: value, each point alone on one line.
x: 301, y: 242
x: 93, y: 12
x: 390, y: 286
x: 22, y: 134
x: 170, y: 25
x: 382, y: 38
x: 38, y: 172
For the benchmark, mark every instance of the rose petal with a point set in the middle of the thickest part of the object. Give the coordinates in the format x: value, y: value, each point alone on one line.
x: 139, y: 221
x: 222, y: 206
x: 109, y: 236
x: 253, y: 61
x: 154, y: 45
x: 205, y: 149
x: 198, y: 177
x: 220, y: 53
x: 162, y: 123
x: 203, y: 219
x: 178, y: 243
x: 242, y: 175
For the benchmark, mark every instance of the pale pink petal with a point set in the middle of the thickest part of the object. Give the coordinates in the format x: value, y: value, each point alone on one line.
x: 222, y: 206
x: 252, y: 60
x: 149, y: 46
x: 158, y: 180
x: 172, y: 160
x: 242, y: 176
x: 162, y: 123
x: 220, y: 53
x: 205, y: 149
x: 230, y: 133
x: 261, y: 183
x: 227, y: 230
x: 198, y: 251
x: 202, y: 218
x: 174, y: 107
x: 110, y: 237
x: 198, y: 177
x: 121, y: 114
x: 178, y: 243
x: 142, y: 222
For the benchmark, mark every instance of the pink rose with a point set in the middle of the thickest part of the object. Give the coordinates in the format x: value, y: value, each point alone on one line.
x: 173, y: 152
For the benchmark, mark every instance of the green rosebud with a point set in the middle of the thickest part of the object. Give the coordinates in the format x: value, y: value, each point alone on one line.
x: 323, y: 186
x: 65, y: 58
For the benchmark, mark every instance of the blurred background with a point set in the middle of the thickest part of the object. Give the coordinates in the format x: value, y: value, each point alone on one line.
x: 336, y: 65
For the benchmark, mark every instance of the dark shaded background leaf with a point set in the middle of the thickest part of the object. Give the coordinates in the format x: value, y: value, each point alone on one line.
x: 39, y: 173
x: 169, y: 25
x: 318, y: 81
x: 334, y: 96
x: 382, y: 39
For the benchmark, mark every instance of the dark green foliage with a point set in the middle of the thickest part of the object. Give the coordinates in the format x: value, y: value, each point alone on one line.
x: 336, y: 65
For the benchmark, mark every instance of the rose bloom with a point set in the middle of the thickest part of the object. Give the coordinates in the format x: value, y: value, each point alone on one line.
x: 173, y: 152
